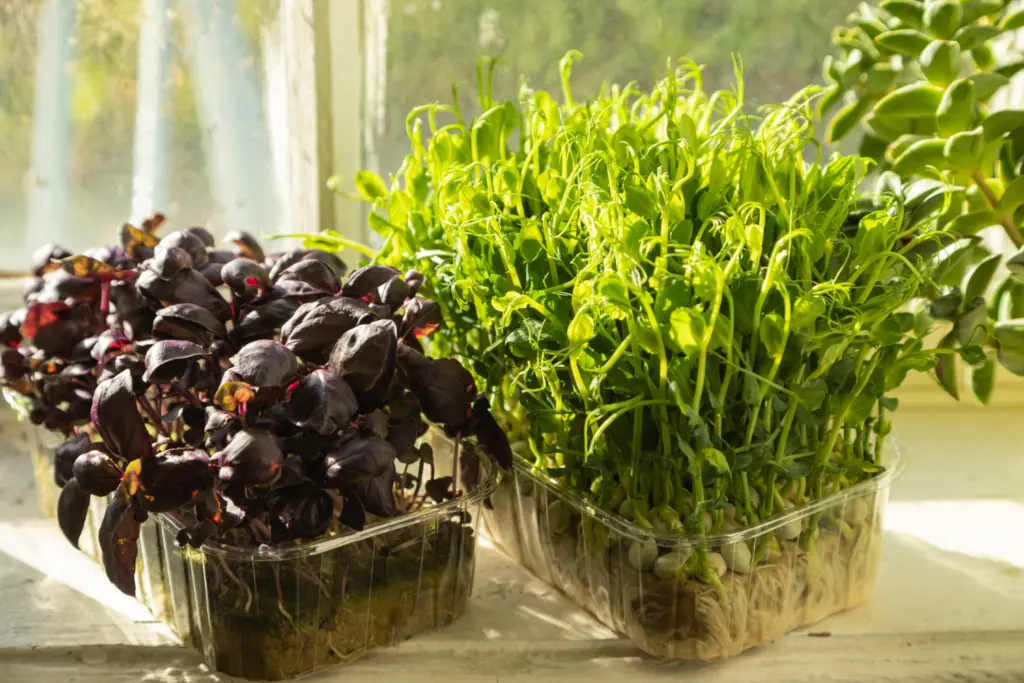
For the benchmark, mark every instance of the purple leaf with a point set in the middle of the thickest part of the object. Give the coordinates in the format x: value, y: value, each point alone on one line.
x: 245, y: 245
x: 202, y: 234
x: 189, y: 322
x: 186, y: 287
x: 96, y: 474
x: 364, y: 282
x: 168, y: 262
x: 245, y: 277
x: 251, y: 458
x: 119, y: 536
x: 422, y: 317
x: 365, y: 355
x: 318, y: 325
x: 439, y: 489
x: 44, y: 257
x: 356, y: 461
x: 414, y: 279
x: 323, y: 402
x: 220, y: 427
x: 394, y: 292
x: 402, y: 435
x: 189, y: 242
x: 353, y: 515
x: 303, y: 511
x: 263, y: 322
x: 65, y: 456
x: 489, y: 435
x: 168, y: 360
x: 316, y: 274
x: 266, y: 363
x: 174, y: 478
x: 444, y: 389
x: 72, y: 508
x: 292, y: 257
x: 377, y: 494
x: 116, y: 417
x: 109, y: 342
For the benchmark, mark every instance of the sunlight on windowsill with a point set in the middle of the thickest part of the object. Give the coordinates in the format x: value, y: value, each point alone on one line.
x: 984, y: 529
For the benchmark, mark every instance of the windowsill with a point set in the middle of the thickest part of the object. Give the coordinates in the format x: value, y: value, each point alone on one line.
x: 949, y: 602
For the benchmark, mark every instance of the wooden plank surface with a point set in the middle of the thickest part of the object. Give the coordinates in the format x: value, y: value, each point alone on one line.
x: 949, y: 604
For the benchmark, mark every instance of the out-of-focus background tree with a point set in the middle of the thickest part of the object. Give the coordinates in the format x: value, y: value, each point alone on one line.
x: 413, y: 50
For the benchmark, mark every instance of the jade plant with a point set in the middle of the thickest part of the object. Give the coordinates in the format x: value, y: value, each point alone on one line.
x: 260, y: 399
x: 677, y: 317
x: 921, y: 80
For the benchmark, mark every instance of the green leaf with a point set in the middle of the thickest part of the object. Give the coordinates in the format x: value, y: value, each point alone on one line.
x: 976, y: 9
x: 972, y: 354
x: 812, y: 393
x: 904, y: 41
x: 970, y: 223
x: 970, y: 327
x: 983, y: 379
x: 942, y: 17
x: 1013, y: 21
x: 987, y: 84
x: 829, y: 100
x: 941, y: 62
x: 379, y: 224
x: 910, y: 101
x: 1009, y: 337
x: 965, y: 151
x: 716, y: 459
x: 772, y: 333
x: 581, y: 329
x: 686, y: 330
x: 888, y: 331
x: 946, y: 369
x: 640, y: 202
x: 947, y: 306
x: 370, y: 185
x: 1015, y: 264
x: 612, y: 288
x: 956, y: 107
x: 647, y: 338
x: 1002, y: 122
x: 921, y: 156
x: 846, y: 119
x: 1013, y: 197
x: 806, y: 311
x: 969, y: 36
x: 981, y: 277
x: 910, y: 12
x: 530, y: 242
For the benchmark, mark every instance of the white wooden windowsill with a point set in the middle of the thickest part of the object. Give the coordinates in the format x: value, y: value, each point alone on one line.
x: 949, y: 604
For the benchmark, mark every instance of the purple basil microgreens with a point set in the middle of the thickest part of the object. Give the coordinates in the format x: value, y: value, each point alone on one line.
x: 173, y: 478
x: 356, y: 461
x: 245, y: 245
x: 365, y: 282
x: 290, y: 258
x: 316, y: 274
x: 189, y: 242
x: 167, y: 360
x: 188, y: 322
x: 266, y: 363
x: 96, y: 473
x: 72, y: 507
x: 365, y: 356
x: 118, y: 537
x: 251, y: 458
x: 256, y: 398
x: 117, y: 419
x: 67, y: 453
x: 322, y: 401
x: 316, y: 326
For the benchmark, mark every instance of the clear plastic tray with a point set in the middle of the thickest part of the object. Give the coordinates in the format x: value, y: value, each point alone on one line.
x: 280, y: 613
x: 585, y: 553
x: 150, y: 585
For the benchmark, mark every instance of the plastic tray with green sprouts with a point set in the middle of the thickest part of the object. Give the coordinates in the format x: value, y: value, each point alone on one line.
x: 679, y: 308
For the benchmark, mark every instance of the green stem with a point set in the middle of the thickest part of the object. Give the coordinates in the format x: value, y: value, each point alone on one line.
x: 1006, y: 221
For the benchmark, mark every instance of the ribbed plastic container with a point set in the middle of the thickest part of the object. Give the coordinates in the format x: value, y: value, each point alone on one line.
x: 150, y: 585
x: 622, y: 574
x: 275, y: 614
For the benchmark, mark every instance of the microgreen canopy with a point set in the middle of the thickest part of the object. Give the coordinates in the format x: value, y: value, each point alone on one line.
x: 670, y: 307
x: 254, y: 396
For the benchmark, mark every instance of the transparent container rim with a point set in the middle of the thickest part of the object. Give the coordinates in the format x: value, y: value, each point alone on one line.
x: 895, y: 464
x: 311, y: 548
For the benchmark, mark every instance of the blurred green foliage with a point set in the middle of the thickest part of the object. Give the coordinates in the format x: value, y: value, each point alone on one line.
x: 430, y: 43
